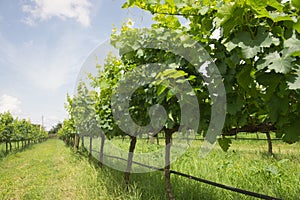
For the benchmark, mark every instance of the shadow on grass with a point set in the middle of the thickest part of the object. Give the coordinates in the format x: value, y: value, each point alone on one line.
x: 149, y: 185
x: 152, y: 186
x: 4, y: 153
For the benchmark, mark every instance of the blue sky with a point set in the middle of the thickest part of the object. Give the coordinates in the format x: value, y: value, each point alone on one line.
x: 43, y: 44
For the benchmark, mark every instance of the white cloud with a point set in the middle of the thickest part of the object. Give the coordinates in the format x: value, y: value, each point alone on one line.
x: 51, y: 121
x: 9, y: 103
x: 48, y: 67
x: 64, y: 9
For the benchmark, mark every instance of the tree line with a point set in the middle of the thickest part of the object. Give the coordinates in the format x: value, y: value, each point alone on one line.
x: 20, y: 132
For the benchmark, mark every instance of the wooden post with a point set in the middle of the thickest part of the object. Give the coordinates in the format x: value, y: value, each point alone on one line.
x: 168, y: 136
x: 270, y: 149
x: 129, y: 161
x: 101, y: 150
x: 76, y: 143
x: 91, y: 146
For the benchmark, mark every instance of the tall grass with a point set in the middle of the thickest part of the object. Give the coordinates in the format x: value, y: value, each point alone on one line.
x: 246, y: 165
x: 51, y: 170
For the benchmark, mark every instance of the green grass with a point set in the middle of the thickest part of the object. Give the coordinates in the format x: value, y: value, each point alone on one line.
x: 51, y: 170
x: 246, y: 165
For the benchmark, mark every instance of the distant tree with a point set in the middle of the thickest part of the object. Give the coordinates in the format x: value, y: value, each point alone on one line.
x: 6, y: 129
x: 54, y: 129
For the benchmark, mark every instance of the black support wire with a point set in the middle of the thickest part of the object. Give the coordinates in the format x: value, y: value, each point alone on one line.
x: 219, y: 185
x: 241, y: 191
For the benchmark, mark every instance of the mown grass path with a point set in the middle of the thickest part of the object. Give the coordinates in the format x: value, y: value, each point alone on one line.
x: 50, y: 170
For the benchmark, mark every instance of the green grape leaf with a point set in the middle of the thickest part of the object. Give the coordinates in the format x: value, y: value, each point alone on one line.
x: 259, y: 6
x: 160, y: 91
x: 294, y: 85
x: 278, y: 63
x: 244, y: 78
x: 277, y: 106
x: 292, y: 45
x: 224, y: 143
x: 275, y: 4
x: 297, y: 26
x: 229, y: 17
x: 234, y: 104
x: 251, y: 46
x: 276, y: 17
x: 296, y: 4
x: 270, y: 81
x: 180, y: 4
x: 292, y: 133
x: 170, y: 94
x: 204, y: 10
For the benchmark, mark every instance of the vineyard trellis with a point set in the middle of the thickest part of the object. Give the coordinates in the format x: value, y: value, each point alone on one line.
x: 241, y: 191
x: 257, y: 54
x: 19, y: 131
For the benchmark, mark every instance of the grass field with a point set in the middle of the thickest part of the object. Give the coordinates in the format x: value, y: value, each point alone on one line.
x: 50, y: 170
x: 246, y: 165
